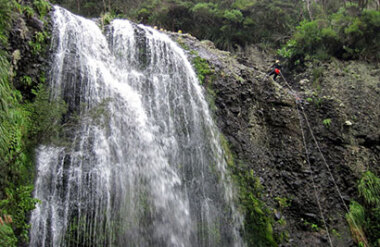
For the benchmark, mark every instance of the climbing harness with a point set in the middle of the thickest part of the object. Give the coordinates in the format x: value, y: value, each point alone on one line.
x: 300, y: 110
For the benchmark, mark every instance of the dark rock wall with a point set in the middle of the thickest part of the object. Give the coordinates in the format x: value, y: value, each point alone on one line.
x: 261, y: 121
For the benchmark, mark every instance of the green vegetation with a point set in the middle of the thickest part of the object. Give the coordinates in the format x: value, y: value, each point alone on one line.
x: 369, y: 189
x: 335, y: 233
x: 206, y: 75
x: 39, y: 42
x: 7, y: 237
x: 326, y: 122
x: 349, y: 33
x: 42, y: 6
x: 364, y: 221
x: 305, y: 29
x: 5, y: 15
x: 258, y: 220
x: 313, y: 227
x: 182, y: 44
x: 106, y: 19
x: 283, y: 202
x: 356, y: 221
x: 27, y: 118
x: 202, y: 68
x: 228, y: 24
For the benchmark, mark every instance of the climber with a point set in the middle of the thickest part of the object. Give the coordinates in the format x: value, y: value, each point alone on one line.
x: 275, y: 69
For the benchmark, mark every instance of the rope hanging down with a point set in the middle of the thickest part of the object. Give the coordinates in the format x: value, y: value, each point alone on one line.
x: 323, y: 158
x: 312, y: 178
x: 308, y: 160
x: 332, y: 177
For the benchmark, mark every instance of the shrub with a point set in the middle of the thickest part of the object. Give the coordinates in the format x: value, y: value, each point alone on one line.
x: 18, y: 204
x: 258, y: 222
x: 202, y: 68
x: 349, y: 34
x: 5, y: 14
x: 21, y: 122
x: 327, y: 122
x: 42, y: 6
x: 7, y: 236
x: 369, y: 189
x: 356, y: 220
x: 364, y: 221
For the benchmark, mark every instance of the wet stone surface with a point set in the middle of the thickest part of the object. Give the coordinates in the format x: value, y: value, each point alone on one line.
x: 260, y: 120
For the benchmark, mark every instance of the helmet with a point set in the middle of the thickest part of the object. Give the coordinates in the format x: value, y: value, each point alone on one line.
x: 277, y: 61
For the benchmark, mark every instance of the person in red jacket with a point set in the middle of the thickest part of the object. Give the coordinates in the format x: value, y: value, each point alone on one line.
x: 275, y: 69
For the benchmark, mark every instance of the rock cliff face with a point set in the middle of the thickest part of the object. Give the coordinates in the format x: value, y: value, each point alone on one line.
x: 261, y: 120
x: 29, y: 47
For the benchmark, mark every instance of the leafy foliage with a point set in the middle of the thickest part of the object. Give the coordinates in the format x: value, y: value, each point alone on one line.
x: 5, y: 16
x: 20, y: 126
x: 202, y: 68
x: 13, y: 162
x: 350, y: 33
x: 369, y: 189
x: 364, y: 220
x: 22, y: 120
x: 344, y: 29
x: 19, y: 203
x: 258, y: 230
x: 327, y: 122
x: 356, y: 221
x: 39, y: 42
x: 42, y: 6
x: 7, y: 236
x: 257, y: 215
x: 228, y: 24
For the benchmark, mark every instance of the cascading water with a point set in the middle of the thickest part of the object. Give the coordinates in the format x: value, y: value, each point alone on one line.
x: 144, y: 167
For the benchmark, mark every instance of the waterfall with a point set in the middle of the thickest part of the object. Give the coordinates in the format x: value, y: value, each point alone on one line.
x: 143, y: 166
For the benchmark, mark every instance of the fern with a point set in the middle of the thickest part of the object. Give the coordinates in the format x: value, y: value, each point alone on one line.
x: 369, y: 189
x: 42, y: 6
x: 356, y: 220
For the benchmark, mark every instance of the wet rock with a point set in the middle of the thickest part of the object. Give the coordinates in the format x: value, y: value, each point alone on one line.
x: 347, y: 123
x: 277, y: 215
x: 208, y: 44
x: 304, y: 81
x: 235, y: 109
x: 36, y: 23
x: 261, y: 122
x: 311, y: 216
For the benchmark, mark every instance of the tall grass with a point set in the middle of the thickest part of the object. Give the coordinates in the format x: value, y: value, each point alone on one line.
x: 5, y: 13
x: 356, y: 220
x: 364, y: 221
x: 5, y: 91
x: 369, y: 189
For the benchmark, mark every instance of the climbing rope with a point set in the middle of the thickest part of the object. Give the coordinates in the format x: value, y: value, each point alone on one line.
x: 332, y: 177
x: 293, y: 93
x: 324, y: 161
x: 312, y: 178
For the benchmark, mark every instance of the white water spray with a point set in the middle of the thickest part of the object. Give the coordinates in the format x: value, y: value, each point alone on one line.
x: 144, y: 167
